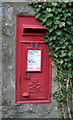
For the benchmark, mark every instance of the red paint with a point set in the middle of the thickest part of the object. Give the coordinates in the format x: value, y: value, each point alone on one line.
x: 32, y: 86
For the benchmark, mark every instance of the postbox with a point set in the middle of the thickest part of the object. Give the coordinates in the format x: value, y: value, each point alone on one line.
x: 33, y: 64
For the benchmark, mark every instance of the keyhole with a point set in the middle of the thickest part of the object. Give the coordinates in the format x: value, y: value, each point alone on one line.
x: 26, y: 74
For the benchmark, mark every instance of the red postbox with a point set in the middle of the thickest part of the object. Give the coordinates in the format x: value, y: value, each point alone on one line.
x: 33, y: 64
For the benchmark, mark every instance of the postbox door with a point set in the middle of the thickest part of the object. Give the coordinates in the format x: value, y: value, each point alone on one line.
x: 34, y: 72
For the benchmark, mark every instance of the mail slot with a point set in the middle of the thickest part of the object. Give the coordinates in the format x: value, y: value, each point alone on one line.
x: 33, y: 64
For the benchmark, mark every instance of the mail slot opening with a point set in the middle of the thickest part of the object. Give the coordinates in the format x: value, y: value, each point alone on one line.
x: 33, y: 30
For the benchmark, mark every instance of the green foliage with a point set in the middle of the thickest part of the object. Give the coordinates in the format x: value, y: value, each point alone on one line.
x: 58, y: 17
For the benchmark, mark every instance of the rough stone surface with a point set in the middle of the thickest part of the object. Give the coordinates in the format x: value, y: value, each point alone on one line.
x: 0, y: 61
x: 9, y: 108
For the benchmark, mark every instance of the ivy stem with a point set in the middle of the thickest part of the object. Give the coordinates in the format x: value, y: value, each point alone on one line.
x: 63, y: 111
x: 69, y: 112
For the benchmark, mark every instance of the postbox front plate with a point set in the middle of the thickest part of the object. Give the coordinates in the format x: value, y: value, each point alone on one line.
x: 33, y: 65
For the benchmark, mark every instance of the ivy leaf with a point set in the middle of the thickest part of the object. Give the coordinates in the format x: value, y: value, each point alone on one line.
x: 37, y: 9
x: 48, y: 9
x: 51, y: 43
x: 46, y: 40
x: 58, y: 10
x: 58, y: 32
x: 66, y: 43
x: 50, y: 53
x: 57, y: 48
x: 56, y: 18
x: 63, y: 18
x: 49, y: 22
x: 61, y: 24
x: 44, y: 20
x: 55, y: 26
x: 61, y: 62
x: 69, y: 22
x: 69, y: 54
x: 54, y: 4
x: 54, y: 37
x: 50, y: 38
x: 63, y: 46
x: 69, y: 65
x: 65, y: 59
x: 56, y: 21
x: 37, y: 15
x: 52, y: 63
x: 50, y: 30
x: 39, y: 6
x: 63, y: 5
x: 53, y: 9
x: 49, y: 15
x: 67, y: 14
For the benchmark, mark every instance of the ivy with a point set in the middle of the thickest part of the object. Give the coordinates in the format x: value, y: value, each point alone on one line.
x: 58, y: 17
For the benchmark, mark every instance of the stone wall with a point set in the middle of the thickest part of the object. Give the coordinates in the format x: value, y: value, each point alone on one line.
x: 9, y: 108
x: 0, y: 60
